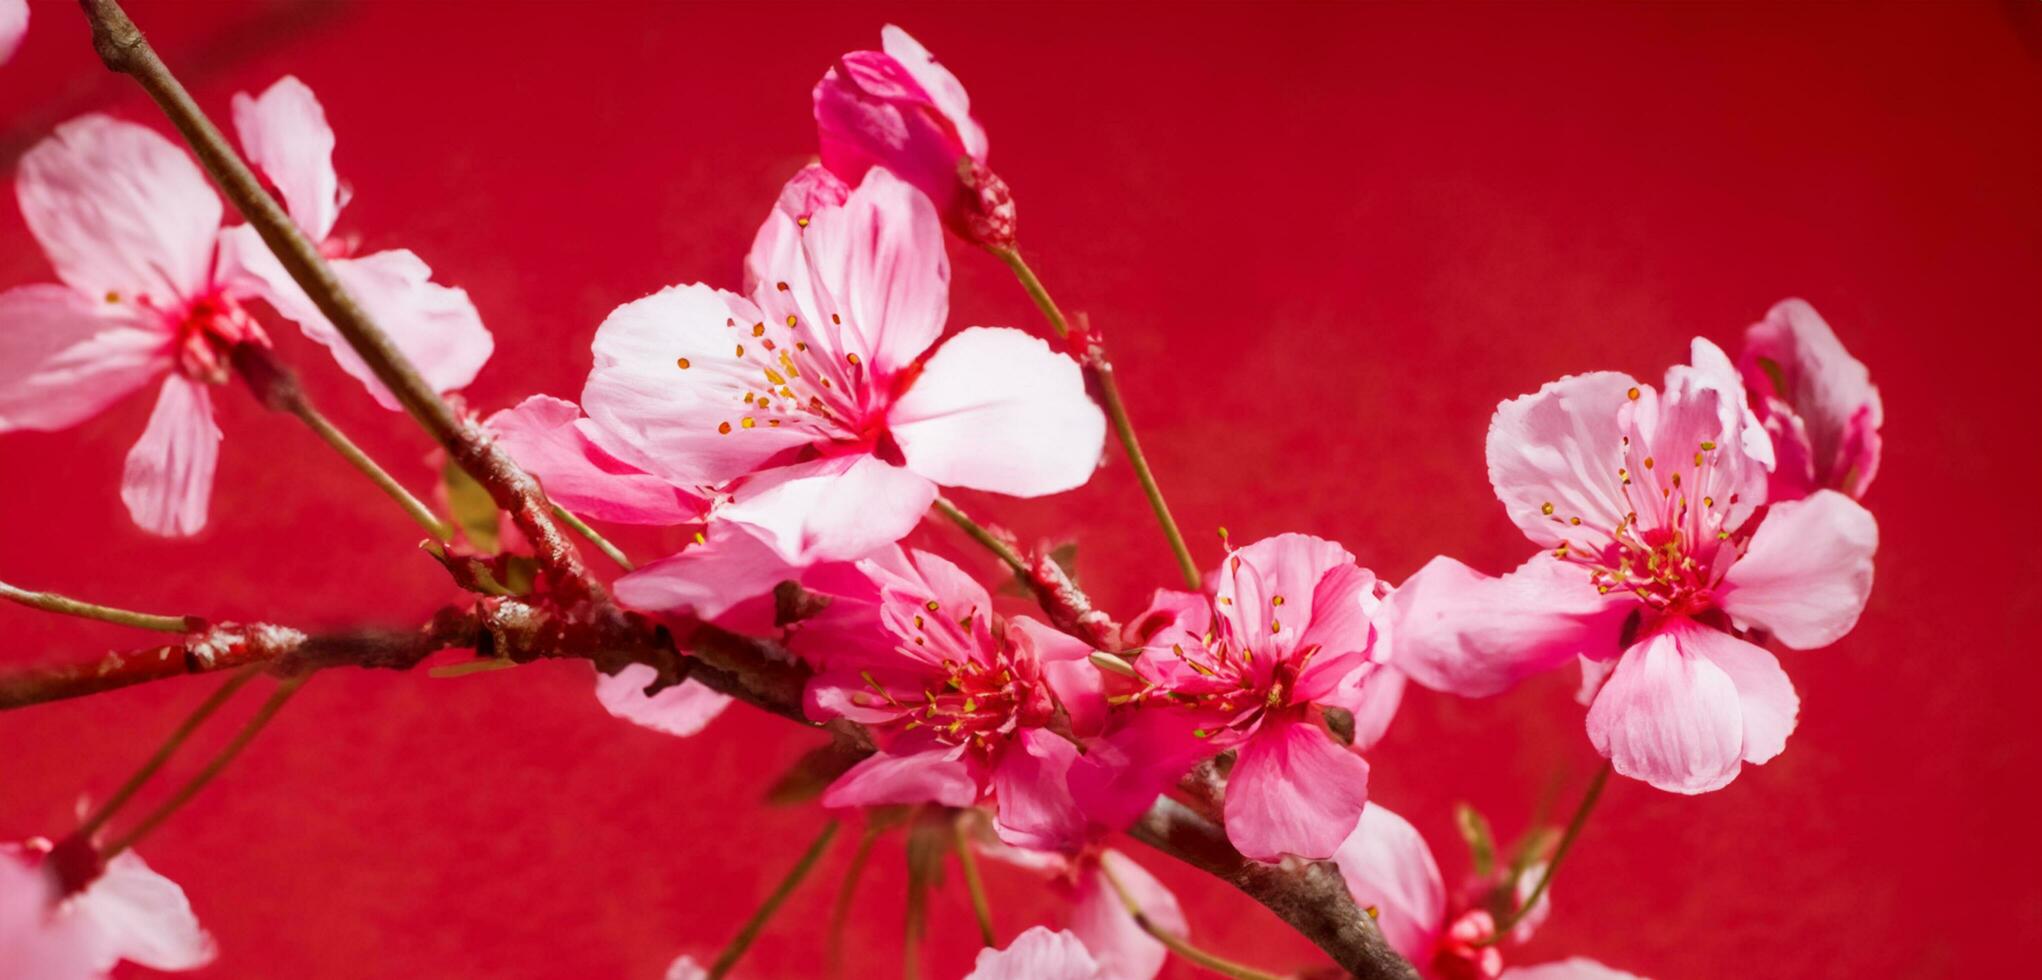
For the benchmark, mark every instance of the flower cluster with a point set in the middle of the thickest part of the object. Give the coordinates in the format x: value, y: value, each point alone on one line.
x: 801, y: 427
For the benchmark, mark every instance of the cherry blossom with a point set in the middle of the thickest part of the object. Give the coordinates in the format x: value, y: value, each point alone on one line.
x: 72, y: 916
x: 1816, y: 401
x: 1037, y: 954
x: 152, y: 288
x: 815, y: 405
x: 965, y: 703
x: 1662, y: 556
x: 1389, y: 869
x: 286, y: 138
x: 1286, y: 632
x: 900, y: 109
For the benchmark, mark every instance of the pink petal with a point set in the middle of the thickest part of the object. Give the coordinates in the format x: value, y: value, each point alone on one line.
x: 676, y: 417
x: 839, y: 508
x: 734, y: 562
x: 1766, y: 698
x: 549, y: 438
x: 284, y: 135
x: 1123, y: 950
x: 1035, y: 806
x: 1816, y: 396
x: 685, y: 968
x: 137, y: 915
x: 871, y: 111
x: 811, y: 189
x: 1572, y: 968
x: 169, y: 476
x: 120, y: 211
x: 1388, y: 865
x: 1169, y: 609
x: 64, y: 358
x: 943, y: 88
x: 13, y: 25
x: 1372, y: 695
x: 1126, y: 770
x: 1807, y: 572
x: 877, y: 262
x: 1562, y: 447
x: 1037, y: 954
x: 1294, y: 791
x: 682, y: 710
x: 1454, y: 629
x: 1066, y: 664
x: 996, y: 409
x: 911, y: 771
x: 1291, y: 591
x: 1669, y: 718
x: 38, y: 945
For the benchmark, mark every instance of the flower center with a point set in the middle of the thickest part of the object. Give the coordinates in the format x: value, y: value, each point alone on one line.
x: 1669, y: 548
x: 206, y: 334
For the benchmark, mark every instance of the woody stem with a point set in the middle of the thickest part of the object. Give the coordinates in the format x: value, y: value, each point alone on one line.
x: 1101, y: 375
x: 973, y: 884
x: 419, y: 513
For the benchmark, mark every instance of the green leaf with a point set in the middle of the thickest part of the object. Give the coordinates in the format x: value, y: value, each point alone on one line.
x: 474, y: 511
x: 1474, y: 829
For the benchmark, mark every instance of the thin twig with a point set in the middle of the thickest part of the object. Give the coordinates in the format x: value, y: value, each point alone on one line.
x: 578, y: 526
x: 418, y: 512
x: 743, y: 940
x: 1101, y: 373
x: 981, y: 909
x: 840, y: 911
x: 65, y: 605
x: 191, y: 788
x: 1174, y: 942
x: 977, y: 532
x: 170, y: 745
x: 1574, y: 825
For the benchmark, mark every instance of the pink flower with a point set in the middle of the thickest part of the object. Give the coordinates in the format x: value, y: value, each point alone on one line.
x: 1037, y: 954
x: 815, y: 404
x: 152, y: 288
x: 287, y: 140
x: 1816, y: 401
x: 1118, y: 944
x: 962, y: 702
x: 13, y: 25
x: 685, y: 968
x: 130, y: 224
x: 1389, y: 868
x: 1662, y: 554
x: 119, y: 911
x: 1287, y: 631
x: 900, y: 109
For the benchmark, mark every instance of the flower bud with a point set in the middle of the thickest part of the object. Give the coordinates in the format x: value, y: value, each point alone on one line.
x: 900, y: 109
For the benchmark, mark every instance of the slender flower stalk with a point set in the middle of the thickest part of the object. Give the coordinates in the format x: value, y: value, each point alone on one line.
x: 973, y: 883
x: 52, y: 602
x: 977, y: 532
x: 578, y: 526
x: 170, y: 745
x: 840, y: 912
x: 743, y: 940
x: 1580, y: 819
x: 1116, y: 412
x: 219, y: 763
x: 327, y: 433
x: 1175, y: 943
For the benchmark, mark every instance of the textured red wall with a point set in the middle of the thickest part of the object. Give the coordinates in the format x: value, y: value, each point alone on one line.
x: 1322, y: 242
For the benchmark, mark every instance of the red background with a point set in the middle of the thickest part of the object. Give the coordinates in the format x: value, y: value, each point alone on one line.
x: 1322, y: 243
